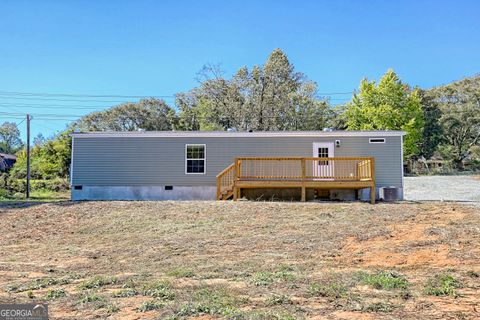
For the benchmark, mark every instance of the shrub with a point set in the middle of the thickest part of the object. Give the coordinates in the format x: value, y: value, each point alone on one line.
x: 159, y: 290
x: 125, y: 293
x: 54, y: 184
x: 55, y: 294
x: 330, y: 290
x: 36, y: 284
x: 181, y: 272
x: 386, y: 281
x: 149, y: 305
x: 265, y: 278
x: 278, y: 300
x: 111, y: 308
x: 91, y: 297
x: 210, y: 301
x: 97, y: 282
x: 442, y: 285
x: 4, y: 193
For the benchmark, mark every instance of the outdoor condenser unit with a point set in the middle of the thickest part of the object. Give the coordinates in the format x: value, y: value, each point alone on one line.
x: 390, y: 193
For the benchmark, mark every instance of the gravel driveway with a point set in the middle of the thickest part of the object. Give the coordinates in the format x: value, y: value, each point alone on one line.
x: 448, y: 188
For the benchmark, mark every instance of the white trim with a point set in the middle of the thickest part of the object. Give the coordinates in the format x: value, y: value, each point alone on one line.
x: 331, y: 153
x: 204, y: 158
x: 224, y: 134
x: 329, y: 145
x: 370, y: 140
x: 71, y: 163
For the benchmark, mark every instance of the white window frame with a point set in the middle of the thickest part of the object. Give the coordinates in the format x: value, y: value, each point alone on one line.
x: 204, y: 157
x: 370, y: 140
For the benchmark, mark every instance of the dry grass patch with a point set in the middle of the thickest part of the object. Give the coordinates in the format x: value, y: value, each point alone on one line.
x: 245, y: 260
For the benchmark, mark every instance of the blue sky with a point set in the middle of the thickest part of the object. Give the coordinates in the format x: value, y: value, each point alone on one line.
x: 156, y: 47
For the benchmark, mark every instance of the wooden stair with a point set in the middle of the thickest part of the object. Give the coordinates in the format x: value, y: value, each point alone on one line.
x: 226, y: 194
x: 226, y: 183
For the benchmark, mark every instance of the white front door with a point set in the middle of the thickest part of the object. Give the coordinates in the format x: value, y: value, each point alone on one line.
x: 324, y: 168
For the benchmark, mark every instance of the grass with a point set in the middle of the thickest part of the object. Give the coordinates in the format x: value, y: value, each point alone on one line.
x: 379, y: 307
x: 278, y: 299
x: 97, y: 282
x: 36, y: 284
x: 111, y: 309
x: 161, y: 290
x: 90, y: 297
x: 329, y: 290
x: 442, y: 285
x: 213, y: 301
x: 266, y: 278
x: 181, y: 272
x: 41, y: 195
x: 244, y: 260
x: 125, y: 293
x: 55, y: 294
x: 150, y: 305
x: 385, y: 280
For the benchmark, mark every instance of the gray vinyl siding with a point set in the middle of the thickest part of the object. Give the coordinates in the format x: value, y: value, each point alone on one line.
x: 150, y: 161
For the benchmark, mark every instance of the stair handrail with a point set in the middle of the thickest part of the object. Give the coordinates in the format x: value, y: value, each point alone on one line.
x: 225, y: 180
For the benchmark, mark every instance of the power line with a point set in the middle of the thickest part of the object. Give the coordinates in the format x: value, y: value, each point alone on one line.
x: 44, y: 94
x: 17, y: 124
x: 50, y: 106
x: 68, y: 100
x: 334, y: 93
x: 41, y: 114
x: 84, y: 95
x: 92, y: 109
x: 44, y: 126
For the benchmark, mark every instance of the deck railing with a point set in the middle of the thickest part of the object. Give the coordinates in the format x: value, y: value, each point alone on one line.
x: 304, y: 169
x: 225, y: 180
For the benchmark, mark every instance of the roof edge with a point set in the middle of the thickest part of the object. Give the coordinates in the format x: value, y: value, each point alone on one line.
x: 241, y: 134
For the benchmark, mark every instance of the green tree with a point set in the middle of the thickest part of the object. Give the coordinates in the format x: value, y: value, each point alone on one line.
x: 460, y: 105
x: 388, y: 105
x: 147, y: 114
x: 269, y: 97
x: 433, y: 130
x: 49, y: 160
x: 10, y: 141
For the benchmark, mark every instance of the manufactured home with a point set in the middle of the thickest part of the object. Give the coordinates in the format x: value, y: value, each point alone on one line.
x: 228, y: 165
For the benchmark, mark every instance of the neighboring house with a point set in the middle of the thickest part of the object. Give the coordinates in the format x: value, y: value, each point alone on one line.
x: 223, y: 165
x: 7, y: 161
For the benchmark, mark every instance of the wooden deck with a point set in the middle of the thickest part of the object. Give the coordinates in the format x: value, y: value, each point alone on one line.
x: 296, y: 172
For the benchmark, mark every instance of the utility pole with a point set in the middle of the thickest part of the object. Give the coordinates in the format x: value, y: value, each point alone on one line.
x: 28, y: 156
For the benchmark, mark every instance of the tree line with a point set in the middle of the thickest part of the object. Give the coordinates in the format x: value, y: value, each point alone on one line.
x: 442, y: 122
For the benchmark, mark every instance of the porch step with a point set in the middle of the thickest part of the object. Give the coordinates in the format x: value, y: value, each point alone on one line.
x: 227, y: 194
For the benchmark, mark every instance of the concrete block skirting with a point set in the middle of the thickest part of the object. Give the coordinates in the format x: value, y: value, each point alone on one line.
x: 144, y: 193
x: 200, y: 193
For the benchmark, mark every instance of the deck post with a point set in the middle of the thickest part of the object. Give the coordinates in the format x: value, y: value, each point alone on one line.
x: 218, y: 188
x: 372, y: 176
x: 235, y: 178
x: 304, y: 191
x: 372, y: 194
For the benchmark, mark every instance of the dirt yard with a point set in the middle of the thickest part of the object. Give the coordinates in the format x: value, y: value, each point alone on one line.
x: 244, y: 260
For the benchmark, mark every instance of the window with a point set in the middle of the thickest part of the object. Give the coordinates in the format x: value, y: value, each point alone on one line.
x: 323, y: 153
x: 376, y: 140
x: 195, y: 158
